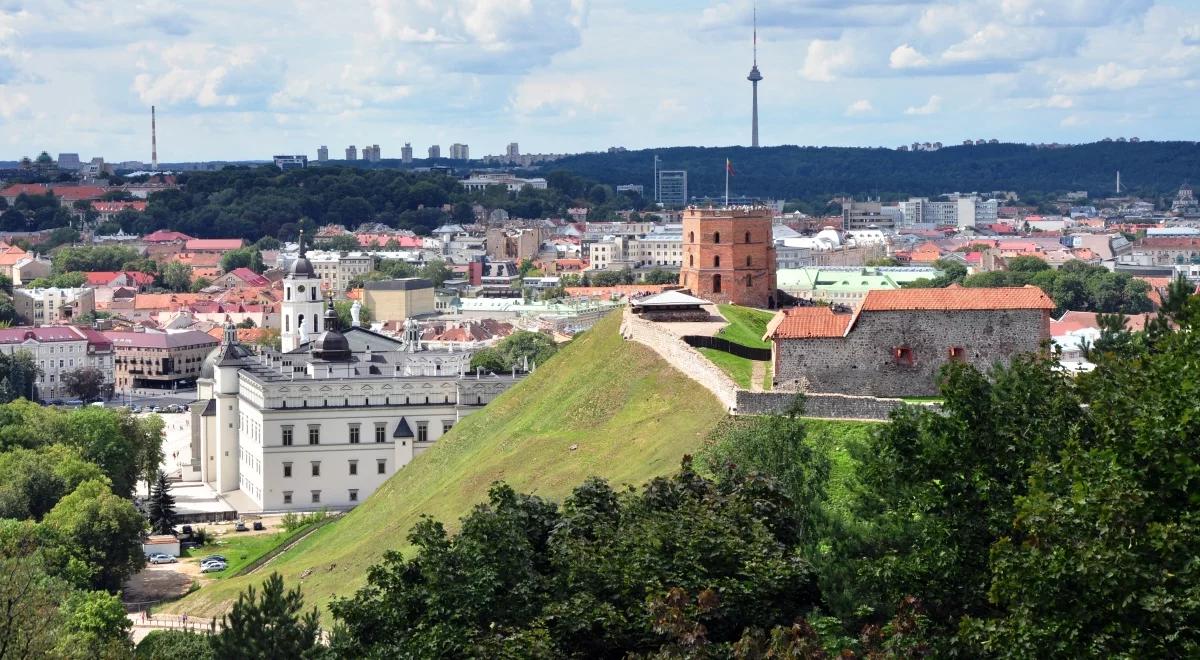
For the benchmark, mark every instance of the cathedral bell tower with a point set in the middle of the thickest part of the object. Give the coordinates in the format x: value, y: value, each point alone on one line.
x: 302, y: 316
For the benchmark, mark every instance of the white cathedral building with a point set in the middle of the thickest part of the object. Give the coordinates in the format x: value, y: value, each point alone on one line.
x: 328, y: 419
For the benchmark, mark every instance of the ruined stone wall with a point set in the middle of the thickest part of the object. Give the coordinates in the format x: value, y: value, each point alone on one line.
x: 864, y: 362
x: 681, y: 356
x: 826, y: 406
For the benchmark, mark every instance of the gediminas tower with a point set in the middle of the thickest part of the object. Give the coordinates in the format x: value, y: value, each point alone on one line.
x: 729, y: 255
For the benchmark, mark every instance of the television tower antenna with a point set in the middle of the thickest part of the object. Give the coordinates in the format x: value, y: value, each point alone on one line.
x: 754, y: 77
x: 153, y: 141
x: 1118, y: 182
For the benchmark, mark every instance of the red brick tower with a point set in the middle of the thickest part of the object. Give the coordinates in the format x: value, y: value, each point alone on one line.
x: 729, y: 255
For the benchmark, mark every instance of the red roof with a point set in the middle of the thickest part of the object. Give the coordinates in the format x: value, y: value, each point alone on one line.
x: 1168, y: 242
x: 165, y: 236
x: 66, y: 193
x: 808, y: 323
x: 956, y: 298
x: 115, y: 207
x: 45, y: 333
x: 214, y: 244
x: 106, y: 277
x: 250, y: 277
x: 380, y: 240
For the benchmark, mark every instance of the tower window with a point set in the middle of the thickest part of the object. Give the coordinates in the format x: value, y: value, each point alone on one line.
x: 716, y: 237
x: 747, y: 260
x: 716, y: 287
x: 747, y: 237
x: 717, y: 261
x: 691, y: 260
x: 691, y: 237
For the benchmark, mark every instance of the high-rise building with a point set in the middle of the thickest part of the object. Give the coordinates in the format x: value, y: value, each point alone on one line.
x: 459, y: 152
x: 351, y: 153
x: 754, y: 77
x: 729, y: 255
x: 513, y: 152
x: 966, y: 211
x: 406, y: 153
x: 864, y: 215
x: 370, y: 153
x: 69, y: 162
x: 322, y: 154
x: 435, y: 151
x: 672, y: 187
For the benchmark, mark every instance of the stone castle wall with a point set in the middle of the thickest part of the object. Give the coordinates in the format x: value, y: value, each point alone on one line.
x: 864, y: 362
x: 827, y: 406
x: 681, y: 356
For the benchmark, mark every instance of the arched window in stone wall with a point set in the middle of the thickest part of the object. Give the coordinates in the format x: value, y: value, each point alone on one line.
x: 716, y: 284
x: 747, y: 237
x: 716, y: 261
x: 691, y: 237
x: 691, y: 260
x: 747, y: 260
x: 716, y: 237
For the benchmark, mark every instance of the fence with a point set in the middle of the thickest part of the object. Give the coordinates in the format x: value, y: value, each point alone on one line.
x: 726, y: 346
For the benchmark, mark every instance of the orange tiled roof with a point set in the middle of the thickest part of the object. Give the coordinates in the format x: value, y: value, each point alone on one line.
x: 1073, y: 321
x: 808, y: 323
x: 957, y: 298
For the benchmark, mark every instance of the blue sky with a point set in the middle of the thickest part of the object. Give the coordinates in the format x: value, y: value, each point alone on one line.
x: 246, y: 79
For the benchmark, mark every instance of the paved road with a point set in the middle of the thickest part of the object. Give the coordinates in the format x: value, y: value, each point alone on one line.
x: 154, y: 398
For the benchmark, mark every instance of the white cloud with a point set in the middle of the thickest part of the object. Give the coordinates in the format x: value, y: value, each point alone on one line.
x: 826, y: 60
x: 907, y: 57
x: 1072, y: 120
x: 1109, y: 76
x: 547, y: 97
x: 207, y: 76
x: 13, y: 104
x: 932, y: 106
x: 1057, y: 101
x: 859, y: 107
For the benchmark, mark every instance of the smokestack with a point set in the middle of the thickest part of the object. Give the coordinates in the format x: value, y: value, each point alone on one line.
x: 153, y: 141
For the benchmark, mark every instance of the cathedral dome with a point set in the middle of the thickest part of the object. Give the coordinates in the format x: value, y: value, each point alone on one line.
x: 302, y: 267
x: 229, y: 349
x: 331, y: 345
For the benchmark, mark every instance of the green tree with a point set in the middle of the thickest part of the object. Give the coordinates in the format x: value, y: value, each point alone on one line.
x: 200, y: 284
x: 162, y: 506
x: 174, y: 645
x: 245, y: 257
x: 342, y: 307
x: 267, y: 625
x: 523, y: 578
x: 18, y: 376
x: 104, y: 530
x: 32, y: 481
x: 29, y: 613
x: 343, y: 243
x: 94, y: 625
x: 177, y: 276
x: 435, y: 271
x: 489, y: 360
x: 84, y: 383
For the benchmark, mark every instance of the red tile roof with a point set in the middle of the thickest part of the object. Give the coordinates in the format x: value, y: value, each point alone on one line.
x: 1169, y: 242
x: 1073, y: 321
x: 250, y: 277
x: 115, y: 207
x: 165, y: 236
x: 808, y: 323
x: 186, y: 338
x: 66, y: 193
x: 956, y: 298
x: 105, y: 277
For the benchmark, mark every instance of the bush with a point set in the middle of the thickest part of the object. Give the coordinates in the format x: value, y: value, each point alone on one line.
x: 173, y: 645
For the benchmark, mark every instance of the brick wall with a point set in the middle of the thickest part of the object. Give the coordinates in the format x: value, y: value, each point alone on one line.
x: 863, y: 363
x: 681, y: 356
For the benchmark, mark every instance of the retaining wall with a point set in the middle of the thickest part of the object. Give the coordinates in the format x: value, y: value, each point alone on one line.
x: 828, y: 406
x: 681, y: 356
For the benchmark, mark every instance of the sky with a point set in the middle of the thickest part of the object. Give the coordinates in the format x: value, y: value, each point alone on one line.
x: 247, y: 79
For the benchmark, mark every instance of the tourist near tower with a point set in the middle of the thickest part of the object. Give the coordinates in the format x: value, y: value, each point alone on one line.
x: 754, y: 77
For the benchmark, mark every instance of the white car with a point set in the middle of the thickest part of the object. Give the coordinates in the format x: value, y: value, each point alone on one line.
x: 213, y: 567
x: 161, y: 558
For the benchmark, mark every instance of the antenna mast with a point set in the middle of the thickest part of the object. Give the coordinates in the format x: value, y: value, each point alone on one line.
x: 153, y: 141
x: 1118, y: 182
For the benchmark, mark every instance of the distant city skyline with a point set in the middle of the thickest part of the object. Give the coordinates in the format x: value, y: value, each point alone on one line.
x: 242, y: 82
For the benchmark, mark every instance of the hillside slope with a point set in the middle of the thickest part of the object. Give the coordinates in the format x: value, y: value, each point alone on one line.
x: 631, y: 414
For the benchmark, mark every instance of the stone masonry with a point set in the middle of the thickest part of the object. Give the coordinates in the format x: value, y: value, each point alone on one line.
x: 729, y: 256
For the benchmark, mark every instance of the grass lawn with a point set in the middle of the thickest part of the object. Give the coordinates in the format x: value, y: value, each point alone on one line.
x: 738, y: 368
x: 239, y: 549
x: 746, y: 325
x: 601, y: 406
x: 835, y: 438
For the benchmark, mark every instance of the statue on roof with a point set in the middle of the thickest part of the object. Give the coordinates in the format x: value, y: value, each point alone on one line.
x: 356, y: 314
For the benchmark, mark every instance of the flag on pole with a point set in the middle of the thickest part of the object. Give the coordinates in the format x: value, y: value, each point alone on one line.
x: 729, y: 167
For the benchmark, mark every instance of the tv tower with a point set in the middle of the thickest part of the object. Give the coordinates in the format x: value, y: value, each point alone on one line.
x: 754, y: 77
x: 153, y: 142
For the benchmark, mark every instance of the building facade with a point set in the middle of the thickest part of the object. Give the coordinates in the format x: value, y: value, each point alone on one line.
x: 399, y: 299
x: 57, y: 350
x: 326, y: 424
x: 672, y: 187
x: 896, y: 343
x: 158, y: 360
x: 53, y: 306
x: 729, y: 255
x: 460, y: 151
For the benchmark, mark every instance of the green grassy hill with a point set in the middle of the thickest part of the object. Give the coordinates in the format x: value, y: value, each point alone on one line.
x: 631, y: 414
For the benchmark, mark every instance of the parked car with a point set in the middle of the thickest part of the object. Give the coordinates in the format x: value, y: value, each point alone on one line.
x: 161, y: 558
x: 212, y: 558
x: 155, y: 409
x: 240, y: 527
x: 213, y: 567
x: 258, y: 526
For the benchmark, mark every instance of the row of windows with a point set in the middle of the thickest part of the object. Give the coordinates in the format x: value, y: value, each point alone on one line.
x: 288, y: 434
x: 315, y: 496
x: 904, y: 356
x: 716, y: 260
x: 716, y: 237
x: 352, y: 465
